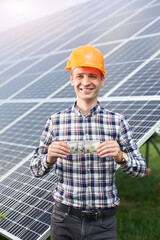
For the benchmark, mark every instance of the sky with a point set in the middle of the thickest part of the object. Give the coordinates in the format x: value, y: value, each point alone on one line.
x: 17, y: 12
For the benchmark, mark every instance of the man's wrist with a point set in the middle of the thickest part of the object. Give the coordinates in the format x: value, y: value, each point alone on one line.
x: 50, y: 161
x: 124, y: 159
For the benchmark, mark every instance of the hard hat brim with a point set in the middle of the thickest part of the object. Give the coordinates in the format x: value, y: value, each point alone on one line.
x: 71, y: 68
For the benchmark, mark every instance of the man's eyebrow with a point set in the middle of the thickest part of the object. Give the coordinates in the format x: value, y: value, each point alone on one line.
x: 79, y: 74
x: 93, y: 74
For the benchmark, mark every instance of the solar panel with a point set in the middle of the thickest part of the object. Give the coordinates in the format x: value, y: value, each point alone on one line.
x: 37, y: 89
x: 34, y: 85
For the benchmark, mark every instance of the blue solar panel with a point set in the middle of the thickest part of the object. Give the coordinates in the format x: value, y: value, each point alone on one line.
x: 154, y: 28
x: 28, y: 130
x: 13, y: 85
x: 45, y: 85
x: 136, y: 86
x: 11, y: 111
x: 17, y: 67
x: 145, y: 48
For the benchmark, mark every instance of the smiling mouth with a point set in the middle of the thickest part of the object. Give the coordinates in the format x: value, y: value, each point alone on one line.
x: 86, y: 89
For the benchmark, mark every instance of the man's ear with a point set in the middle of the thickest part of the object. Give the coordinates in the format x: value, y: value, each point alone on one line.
x: 102, y: 81
x: 71, y: 79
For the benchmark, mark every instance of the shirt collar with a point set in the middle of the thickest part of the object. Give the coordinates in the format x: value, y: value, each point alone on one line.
x: 93, y: 111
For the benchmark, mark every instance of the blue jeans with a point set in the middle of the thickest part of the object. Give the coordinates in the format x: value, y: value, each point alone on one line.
x: 69, y: 227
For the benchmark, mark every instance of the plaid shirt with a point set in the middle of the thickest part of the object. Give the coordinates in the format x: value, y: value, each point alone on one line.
x: 87, y: 181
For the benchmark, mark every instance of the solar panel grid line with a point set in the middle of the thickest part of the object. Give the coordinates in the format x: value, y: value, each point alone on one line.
x: 132, y: 73
x: 89, y: 17
x: 97, y: 33
x: 44, y: 236
x: 25, y: 40
x: 6, y: 64
x: 8, y: 37
x: 109, y: 42
x: 26, y: 86
x: 103, y: 98
x: 148, y: 36
x: 11, y: 236
x: 18, y: 229
x: 122, y: 40
x: 16, y: 167
x: 134, y: 36
x: 136, y: 114
x: 29, y: 181
x: 22, y: 71
x: 139, y: 110
x: 123, y: 21
x: 9, y: 67
x: 18, y: 145
x: 96, y: 24
x: 38, y: 100
x: 36, y: 79
x: 136, y: 86
x: 146, y: 27
x: 136, y: 124
x: 13, y: 203
x: 38, y: 25
x: 12, y: 48
x: 11, y: 155
x: 15, y: 65
x: 43, y: 37
x: 141, y: 141
x: 123, y: 31
x: 20, y: 118
x: 58, y: 90
x: 130, y: 98
x: 26, y: 208
x: 148, y: 123
x: 7, y: 234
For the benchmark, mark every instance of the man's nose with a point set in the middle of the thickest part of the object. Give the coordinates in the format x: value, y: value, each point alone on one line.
x: 86, y: 81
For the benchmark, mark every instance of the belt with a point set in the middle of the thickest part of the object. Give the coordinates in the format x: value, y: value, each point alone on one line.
x: 91, y: 215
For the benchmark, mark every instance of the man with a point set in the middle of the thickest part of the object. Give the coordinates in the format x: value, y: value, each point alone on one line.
x: 86, y: 194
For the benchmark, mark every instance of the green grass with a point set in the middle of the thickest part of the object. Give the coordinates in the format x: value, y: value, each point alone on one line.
x: 138, y: 215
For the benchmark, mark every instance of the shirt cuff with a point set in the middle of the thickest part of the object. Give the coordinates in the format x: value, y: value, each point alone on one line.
x: 130, y: 163
x: 45, y: 164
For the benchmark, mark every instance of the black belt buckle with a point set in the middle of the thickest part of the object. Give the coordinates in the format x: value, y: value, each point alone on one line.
x: 89, y: 215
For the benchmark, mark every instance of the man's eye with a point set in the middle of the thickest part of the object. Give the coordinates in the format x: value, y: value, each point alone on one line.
x: 79, y: 76
x: 93, y: 76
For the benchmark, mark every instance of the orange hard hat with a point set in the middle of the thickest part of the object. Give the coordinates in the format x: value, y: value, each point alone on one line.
x: 86, y: 56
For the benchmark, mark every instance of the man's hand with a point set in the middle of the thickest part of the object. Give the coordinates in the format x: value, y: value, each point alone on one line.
x: 110, y: 149
x: 57, y: 149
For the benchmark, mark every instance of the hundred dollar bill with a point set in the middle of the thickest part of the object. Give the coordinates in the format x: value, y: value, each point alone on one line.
x: 76, y: 147
x: 91, y: 147
x: 86, y: 147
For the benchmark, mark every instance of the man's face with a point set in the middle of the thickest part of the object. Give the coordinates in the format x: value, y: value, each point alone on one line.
x: 87, y: 82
